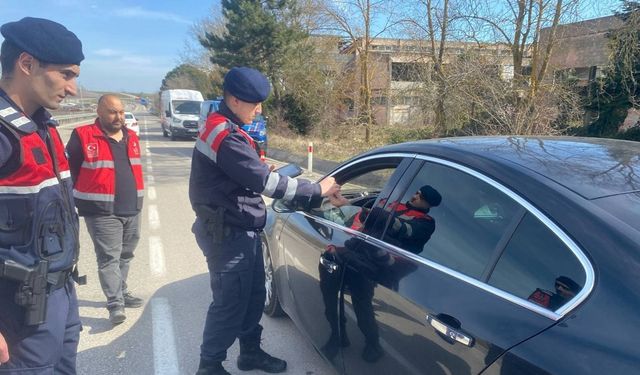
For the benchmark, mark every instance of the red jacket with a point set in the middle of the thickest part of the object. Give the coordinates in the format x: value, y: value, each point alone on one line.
x: 37, y: 218
x: 94, y: 186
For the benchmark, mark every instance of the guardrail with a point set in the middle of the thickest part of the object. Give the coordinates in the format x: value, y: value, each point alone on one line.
x: 75, y: 118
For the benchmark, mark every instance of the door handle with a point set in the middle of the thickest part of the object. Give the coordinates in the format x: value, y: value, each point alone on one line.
x: 449, y: 332
x: 329, y: 265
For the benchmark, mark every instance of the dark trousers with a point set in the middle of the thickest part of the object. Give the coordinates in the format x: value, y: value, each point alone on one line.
x: 48, y: 348
x: 114, y: 240
x: 236, y: 269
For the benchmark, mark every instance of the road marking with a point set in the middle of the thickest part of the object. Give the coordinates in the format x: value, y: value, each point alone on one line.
x: 150, y: 179
x: 165, y: 358
x: 156, y: 256
x: 154, y: 217
x: 149, y: 168
x: 151, y: 191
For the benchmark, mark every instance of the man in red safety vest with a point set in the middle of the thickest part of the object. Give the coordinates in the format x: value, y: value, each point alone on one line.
x: 108, y: 191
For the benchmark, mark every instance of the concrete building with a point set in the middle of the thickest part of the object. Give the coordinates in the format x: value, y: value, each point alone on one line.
x: 398, y: 69
x: 581, y: 50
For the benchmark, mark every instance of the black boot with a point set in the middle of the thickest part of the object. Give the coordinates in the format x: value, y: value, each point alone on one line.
x: 252, y: 357
x: 211, y: 368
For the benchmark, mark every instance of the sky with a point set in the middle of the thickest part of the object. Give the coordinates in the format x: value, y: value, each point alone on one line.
x: 131, y: 45
x: 128, y: 45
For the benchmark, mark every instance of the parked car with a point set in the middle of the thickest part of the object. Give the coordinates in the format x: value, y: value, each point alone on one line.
x: 257, y: 130
x: 131, y: 122
x: 531, y: 269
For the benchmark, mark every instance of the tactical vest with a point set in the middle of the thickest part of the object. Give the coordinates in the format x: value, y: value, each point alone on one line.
x: 95, y: 186
x: 37, y: 216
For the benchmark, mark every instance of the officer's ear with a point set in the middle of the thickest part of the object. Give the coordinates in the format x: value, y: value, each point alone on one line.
x: 26, y: 63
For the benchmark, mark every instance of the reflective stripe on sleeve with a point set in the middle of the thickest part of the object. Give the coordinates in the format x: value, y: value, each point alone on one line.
x: 271, y: 185
x: 292, y: 187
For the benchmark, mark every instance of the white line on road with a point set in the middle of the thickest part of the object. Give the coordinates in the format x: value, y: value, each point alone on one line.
x: 151, y: 191
x: 149, y: 168
x: 156, y: 256
x: 150, y: 179
x: 165, y: 357
x: 154, y: 217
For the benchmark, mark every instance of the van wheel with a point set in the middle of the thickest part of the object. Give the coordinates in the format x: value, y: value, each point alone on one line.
x: 271, y: 304
x: 164, y: 133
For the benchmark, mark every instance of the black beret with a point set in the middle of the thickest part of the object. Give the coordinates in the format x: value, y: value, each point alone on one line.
x: 247, y: 84
x: 431, y: 195
x: 47, y: 41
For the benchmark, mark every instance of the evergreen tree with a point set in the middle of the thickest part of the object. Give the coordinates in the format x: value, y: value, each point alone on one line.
x: 620, y: 90
x: 259, y: 34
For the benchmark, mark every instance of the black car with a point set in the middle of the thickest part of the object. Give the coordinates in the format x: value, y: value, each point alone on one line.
x: 528, y: 265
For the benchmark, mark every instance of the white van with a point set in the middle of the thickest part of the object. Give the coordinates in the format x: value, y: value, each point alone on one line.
x: 179, y: 113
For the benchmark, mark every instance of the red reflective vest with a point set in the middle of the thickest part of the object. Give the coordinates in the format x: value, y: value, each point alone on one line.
x: 95, y: 186
x: 37, y: 217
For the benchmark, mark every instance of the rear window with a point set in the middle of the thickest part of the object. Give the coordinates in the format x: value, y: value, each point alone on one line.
x: 625, y: 207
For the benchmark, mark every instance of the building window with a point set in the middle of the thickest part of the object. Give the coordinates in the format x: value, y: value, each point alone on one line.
x: 407, y: 72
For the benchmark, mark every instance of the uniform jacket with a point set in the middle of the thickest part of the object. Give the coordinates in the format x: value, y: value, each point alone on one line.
x: 226, y: 172
x: 94, y: 182
x: 37, y: 216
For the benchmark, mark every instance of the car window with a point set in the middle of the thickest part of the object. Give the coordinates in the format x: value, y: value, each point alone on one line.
x: 461, y: 226
x: 128, y: 116
x: 536, y: 265
x: 361, y: 187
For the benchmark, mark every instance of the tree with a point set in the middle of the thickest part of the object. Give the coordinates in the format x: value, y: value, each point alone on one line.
x: 619, y: 91
x: 361, y: 21
x: 188, y: 77
x: 259, y: 34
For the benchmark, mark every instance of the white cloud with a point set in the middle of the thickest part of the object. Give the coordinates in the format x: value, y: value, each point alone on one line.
x: 139, y: 12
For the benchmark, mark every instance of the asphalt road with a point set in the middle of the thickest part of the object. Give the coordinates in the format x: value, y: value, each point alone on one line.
x: 170, y: 273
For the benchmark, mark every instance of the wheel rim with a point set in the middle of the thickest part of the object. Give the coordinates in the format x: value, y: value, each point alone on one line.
x: 268, y: 274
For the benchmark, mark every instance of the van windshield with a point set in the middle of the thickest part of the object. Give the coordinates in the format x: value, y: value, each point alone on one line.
x: 186, y: 107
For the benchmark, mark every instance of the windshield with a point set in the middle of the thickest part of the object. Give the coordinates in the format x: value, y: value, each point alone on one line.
x: 128, y: 116
x: 186, y: 107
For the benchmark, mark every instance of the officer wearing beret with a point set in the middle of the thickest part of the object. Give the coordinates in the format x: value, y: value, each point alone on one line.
x: 39, y: 320
x: 225, y: 188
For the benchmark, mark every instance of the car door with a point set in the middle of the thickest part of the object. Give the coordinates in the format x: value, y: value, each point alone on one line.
x: 311, y: 241
x: 441, y: 308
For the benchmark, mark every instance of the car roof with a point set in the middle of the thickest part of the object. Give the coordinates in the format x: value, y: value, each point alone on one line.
x: 590, y: 167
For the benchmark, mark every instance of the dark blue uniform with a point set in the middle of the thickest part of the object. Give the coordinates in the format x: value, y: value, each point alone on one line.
x: 227, y: 173
x: 39, y: 317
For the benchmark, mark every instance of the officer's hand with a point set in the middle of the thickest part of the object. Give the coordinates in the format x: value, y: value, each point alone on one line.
x: 328, y: 186
x: 4, y: 350
x: 272, y: 167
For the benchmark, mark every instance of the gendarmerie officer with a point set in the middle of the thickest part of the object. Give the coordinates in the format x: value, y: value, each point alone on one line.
x: 39, y: 321
x: 227, y: 180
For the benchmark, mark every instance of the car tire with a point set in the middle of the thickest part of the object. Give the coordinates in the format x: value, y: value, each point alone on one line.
x: 271, y: 303
x: 164, y: 132
x: 172, y: 135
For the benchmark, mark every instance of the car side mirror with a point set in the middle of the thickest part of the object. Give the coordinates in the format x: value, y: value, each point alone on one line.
x: 167, y: 113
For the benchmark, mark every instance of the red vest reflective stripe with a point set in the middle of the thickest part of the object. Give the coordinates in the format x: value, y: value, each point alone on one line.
x: 215, y: 130
x: 96, y: 177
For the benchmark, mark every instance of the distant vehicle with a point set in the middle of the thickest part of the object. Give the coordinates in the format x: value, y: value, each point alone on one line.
x: 179, y: 110
x: 257, y: 130
x: 131, y: 122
